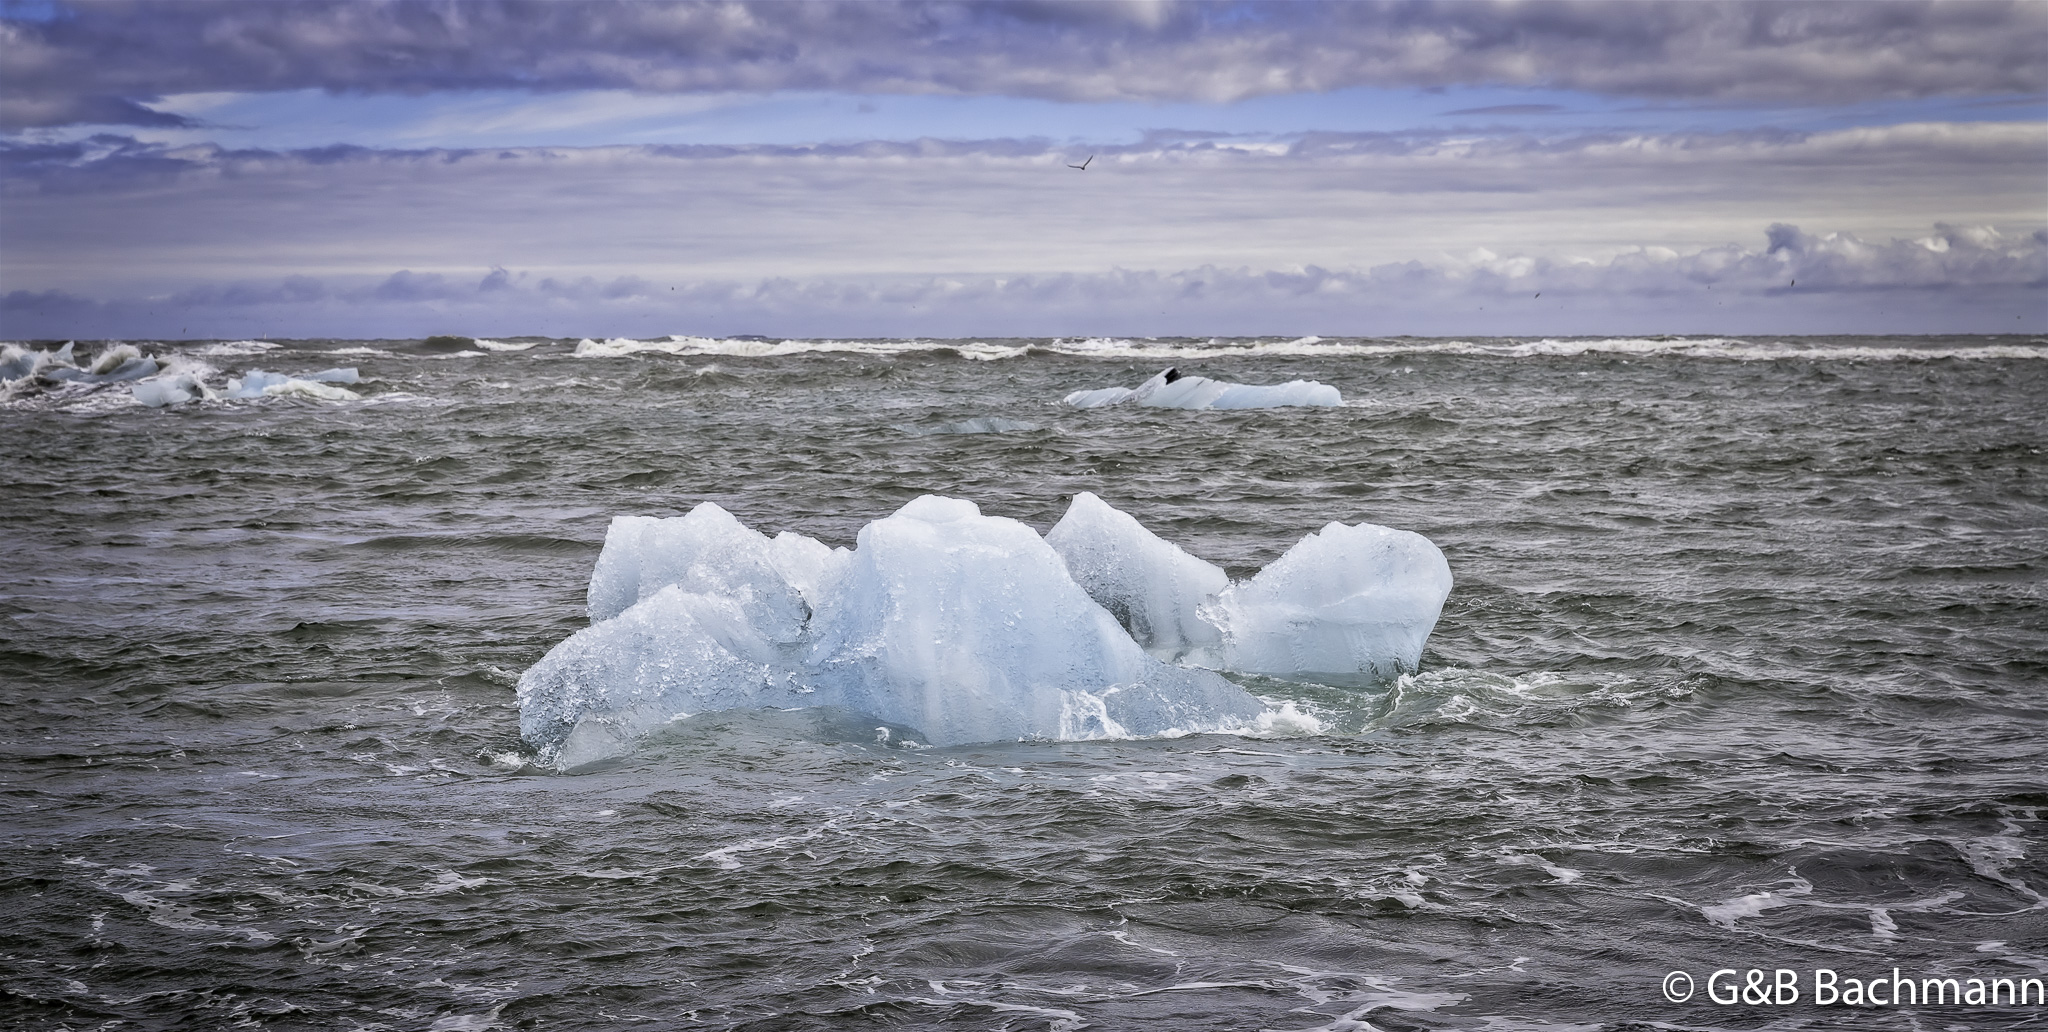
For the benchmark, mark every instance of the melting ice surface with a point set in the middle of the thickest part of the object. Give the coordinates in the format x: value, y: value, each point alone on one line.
x: 1347, y: 605
x: 1172, y: 389
x: 968, y: 628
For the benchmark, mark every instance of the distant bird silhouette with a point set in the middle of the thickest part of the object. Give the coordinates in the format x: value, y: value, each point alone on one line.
x: 1084, y: 165
x: 1538, y: 294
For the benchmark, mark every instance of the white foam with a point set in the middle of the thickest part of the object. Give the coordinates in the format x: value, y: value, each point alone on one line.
x: 500, y: 345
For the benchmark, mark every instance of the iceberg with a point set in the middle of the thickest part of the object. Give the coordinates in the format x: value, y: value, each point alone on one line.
x: 968, y: 628
x: 1174, y: 389
x: 962, y: 626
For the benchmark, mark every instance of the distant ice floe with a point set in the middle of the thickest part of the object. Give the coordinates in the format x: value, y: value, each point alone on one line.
x: 1173, y: 389
x: 969, y: 628
x: 155, y: 381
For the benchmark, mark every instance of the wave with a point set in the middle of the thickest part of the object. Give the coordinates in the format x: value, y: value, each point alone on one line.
x: 236, y: 347
x: 1154, y: 349
x: 620, y: 347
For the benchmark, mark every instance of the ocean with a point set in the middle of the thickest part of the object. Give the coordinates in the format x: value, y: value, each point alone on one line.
x: 1745, y: 670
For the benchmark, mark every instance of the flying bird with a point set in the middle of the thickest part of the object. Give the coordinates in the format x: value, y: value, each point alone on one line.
x: 1084, y: 165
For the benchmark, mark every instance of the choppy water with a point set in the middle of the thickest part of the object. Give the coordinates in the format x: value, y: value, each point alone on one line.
x: 1746, y: 666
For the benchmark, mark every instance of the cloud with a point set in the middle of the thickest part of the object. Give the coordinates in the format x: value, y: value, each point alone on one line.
x: 1510, y: 109
x: 1956, y: 279
x: 111, y: 214
x: 41, y: 110
x: 132, y: 52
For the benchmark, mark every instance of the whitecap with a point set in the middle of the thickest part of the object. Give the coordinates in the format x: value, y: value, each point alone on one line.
x: 236, y: 347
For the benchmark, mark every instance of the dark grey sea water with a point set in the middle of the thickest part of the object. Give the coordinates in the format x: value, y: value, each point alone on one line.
x: 1746, y: 666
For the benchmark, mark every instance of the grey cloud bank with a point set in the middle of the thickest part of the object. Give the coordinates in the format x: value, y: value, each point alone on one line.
x: 1172, y: 231
x: 113, y: 216
x: 102, y: 62
x: 1956, y: 279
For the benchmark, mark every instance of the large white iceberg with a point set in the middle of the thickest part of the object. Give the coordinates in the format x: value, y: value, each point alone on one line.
x: 962, y: 626
x: 1173, y: 389
x: 968, y: 628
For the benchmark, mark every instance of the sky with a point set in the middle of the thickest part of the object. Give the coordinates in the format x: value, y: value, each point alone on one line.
x: 366, y: 169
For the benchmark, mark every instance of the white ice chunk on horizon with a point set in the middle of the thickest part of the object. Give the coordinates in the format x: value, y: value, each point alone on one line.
x: 1149, y: 585
x: 1172, y: 389
x: 966, y: 627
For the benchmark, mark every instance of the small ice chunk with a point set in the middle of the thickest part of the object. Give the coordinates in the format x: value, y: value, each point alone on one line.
x: 161, y: 392
x: 1151, y: 586
x: 707, y: 552
x: 1345, y: 605
x: 346, y: 374
x: 253, y: 384
x: 183, y: 381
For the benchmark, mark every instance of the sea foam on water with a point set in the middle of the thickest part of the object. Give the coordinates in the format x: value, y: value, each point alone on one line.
x: 967, y: 627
